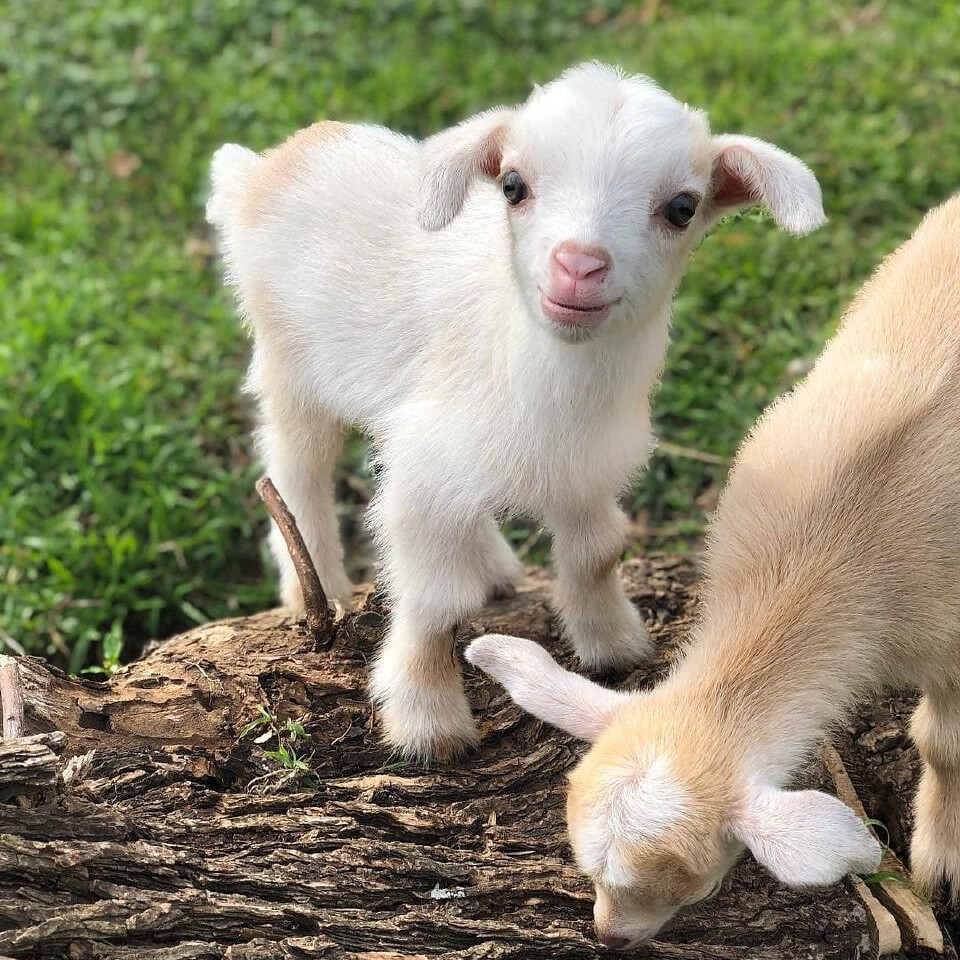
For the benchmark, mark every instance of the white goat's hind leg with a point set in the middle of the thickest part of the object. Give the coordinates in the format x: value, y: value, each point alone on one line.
x: 300, y: 459
x: 602, y: 624
x: 504, y: 570
x: 935, y: 847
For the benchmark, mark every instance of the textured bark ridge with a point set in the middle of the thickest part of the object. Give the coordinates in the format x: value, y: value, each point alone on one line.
x: 178, y: 838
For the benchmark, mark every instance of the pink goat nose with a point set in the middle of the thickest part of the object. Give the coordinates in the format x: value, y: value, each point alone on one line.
x: 582, y: 262
x: 577, y: 272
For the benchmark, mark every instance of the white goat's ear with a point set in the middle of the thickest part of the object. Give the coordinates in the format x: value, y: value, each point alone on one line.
x: 748, y: 171
x: 451, y: 160
x: 539, y: 685
x: 805, y: 837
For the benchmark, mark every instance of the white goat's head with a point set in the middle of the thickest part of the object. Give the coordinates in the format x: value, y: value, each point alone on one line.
x: 608, y: 183
x: 664, y: 802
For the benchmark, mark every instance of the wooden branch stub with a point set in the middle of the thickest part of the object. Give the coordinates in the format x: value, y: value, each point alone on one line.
x: 918, y: 926
x: 885, y: 938
x: 11, y: 696
x: 917, y: 923
x: 317, y: 611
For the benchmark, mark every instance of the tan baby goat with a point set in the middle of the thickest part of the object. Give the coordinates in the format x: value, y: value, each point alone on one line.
x: 833, y: 568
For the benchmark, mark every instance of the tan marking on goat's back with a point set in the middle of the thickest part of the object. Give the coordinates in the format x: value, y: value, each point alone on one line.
x: 281, y: 165
x: 259, y: 304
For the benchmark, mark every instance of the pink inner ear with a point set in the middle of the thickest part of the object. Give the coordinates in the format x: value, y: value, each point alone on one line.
x: 736, y: 178
x: 491, y: 155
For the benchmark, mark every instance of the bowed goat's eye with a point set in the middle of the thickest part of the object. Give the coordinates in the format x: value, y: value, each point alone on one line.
x: 680, y: 210
x: 514, y: 189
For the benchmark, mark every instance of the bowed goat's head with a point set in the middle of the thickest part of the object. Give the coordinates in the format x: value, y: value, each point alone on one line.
x: 665, y: 801
x: 607, y: 182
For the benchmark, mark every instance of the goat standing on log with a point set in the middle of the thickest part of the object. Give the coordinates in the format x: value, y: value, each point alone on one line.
x: 492, y: 307
x: 833, y: 569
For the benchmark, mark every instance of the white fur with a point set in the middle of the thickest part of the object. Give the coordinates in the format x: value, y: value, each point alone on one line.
x: 804, y: 837
x: 390, y: 286
x: 641, y: 801
x: 538, y: 684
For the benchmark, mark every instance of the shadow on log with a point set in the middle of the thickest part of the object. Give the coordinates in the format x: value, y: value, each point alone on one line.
x: 179, y: 838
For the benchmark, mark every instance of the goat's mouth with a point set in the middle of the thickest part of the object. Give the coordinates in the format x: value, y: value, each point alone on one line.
x: 571, y: 314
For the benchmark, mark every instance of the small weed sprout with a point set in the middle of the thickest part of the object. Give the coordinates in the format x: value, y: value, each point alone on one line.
x: 112, y: 647
x: 294, y: 766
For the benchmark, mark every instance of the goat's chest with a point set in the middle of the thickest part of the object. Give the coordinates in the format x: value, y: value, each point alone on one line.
x: 579, y: 451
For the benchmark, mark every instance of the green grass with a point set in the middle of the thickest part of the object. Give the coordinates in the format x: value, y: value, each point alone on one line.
x: 126, y: 503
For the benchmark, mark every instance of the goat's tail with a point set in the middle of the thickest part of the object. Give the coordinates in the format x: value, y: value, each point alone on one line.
x: 229, y: 171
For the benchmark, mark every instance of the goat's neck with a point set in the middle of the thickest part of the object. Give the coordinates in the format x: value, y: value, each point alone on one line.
x: 772, y: 675
x: 622, y: 360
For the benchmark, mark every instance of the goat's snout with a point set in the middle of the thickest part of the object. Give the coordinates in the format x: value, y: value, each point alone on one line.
x: 577, y: 272
x: 614, y: 941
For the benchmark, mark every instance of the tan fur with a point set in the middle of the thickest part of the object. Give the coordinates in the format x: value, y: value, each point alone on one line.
x: 837, y: 540
x: 833, y: 568
x: 282, y: 164
x: 700, y: 761
x: 436, y: 667
x: 603, y: 567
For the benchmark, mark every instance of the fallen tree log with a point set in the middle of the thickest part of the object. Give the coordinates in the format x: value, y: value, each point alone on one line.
x: 30, y: 765
x: 180, y: 837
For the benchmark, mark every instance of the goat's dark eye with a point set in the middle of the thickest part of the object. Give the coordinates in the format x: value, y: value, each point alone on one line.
x: 680, y: 210
x: 514, y: 189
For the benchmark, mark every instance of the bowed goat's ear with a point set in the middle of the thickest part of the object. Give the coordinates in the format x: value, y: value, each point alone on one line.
x: 748, y: 171
x: 539, y: 685
x: 451, y: 160
x: 805, y: 837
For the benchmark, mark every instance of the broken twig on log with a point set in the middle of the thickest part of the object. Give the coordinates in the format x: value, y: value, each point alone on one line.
x: 918, y: 926
x: 316, y: 608
x: 11, y: 696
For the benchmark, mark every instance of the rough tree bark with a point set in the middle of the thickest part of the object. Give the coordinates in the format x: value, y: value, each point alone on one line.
x: 177, y: 838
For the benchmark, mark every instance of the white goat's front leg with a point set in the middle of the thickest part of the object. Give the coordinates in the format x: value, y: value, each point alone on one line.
x: 300, y: 456
x: 416, y: 686
x: 439, y: 569
x: 935, y: 846
x: 602, y: 624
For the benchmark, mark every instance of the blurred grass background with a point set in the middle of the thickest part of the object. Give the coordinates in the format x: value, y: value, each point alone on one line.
x: 126, y: 501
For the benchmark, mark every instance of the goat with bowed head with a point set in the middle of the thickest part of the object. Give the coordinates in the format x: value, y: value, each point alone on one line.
x: 832, y: 569
x: 492, y: 307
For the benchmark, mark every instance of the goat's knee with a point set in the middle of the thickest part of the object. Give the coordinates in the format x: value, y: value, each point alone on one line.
x: 605, y: 628
x: 437, y: 572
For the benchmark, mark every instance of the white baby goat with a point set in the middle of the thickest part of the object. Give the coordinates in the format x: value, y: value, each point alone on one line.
x: 833, y: 568
x: 492, y: 307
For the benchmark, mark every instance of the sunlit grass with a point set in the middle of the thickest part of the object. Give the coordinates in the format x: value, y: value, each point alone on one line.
x: 127, y: 506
